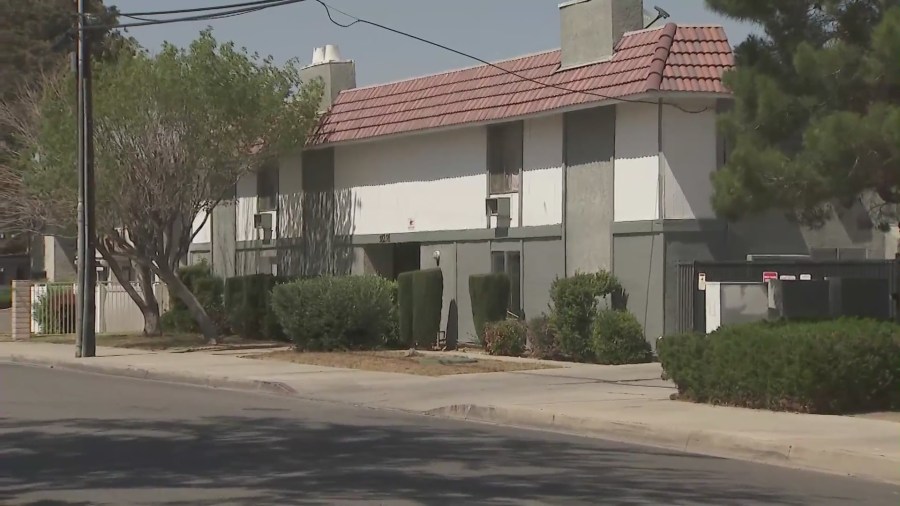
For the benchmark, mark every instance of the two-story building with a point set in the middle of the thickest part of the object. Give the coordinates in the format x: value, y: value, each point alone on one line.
x: 594, y: 156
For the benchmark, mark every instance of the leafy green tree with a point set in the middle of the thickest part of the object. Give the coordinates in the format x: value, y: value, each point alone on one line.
x: 815, y: 126
x: 173, y: 134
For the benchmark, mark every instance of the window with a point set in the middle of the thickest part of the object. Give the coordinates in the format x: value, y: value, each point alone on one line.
x: 267, y: 187
x: 505, y: 147
x: 510, y: 262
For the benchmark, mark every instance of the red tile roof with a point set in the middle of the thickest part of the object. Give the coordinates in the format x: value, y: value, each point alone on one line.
x: 671, y: 58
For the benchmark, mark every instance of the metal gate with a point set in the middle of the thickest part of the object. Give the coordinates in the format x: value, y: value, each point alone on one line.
x: 691, y: 315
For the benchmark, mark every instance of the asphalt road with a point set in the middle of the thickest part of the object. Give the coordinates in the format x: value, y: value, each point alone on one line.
x: 76, y: 439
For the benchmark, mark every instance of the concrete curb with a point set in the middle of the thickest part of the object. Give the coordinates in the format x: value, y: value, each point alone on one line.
x: 220, y: 382
x: 879, y: 468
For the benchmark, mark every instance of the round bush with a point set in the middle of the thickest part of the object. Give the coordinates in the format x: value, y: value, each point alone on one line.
x: 506, y: 338
x: 619, y: 339
x: 830, y: 367
x: 542, y: 339
x: 575, y: 306
x: 335, y: 313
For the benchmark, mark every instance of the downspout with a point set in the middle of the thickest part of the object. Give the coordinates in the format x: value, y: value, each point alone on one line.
x: 565, y: 196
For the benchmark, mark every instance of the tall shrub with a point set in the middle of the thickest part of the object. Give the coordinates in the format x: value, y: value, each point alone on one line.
x: 618, y: 338
x: 490, y: 300
x: 209, y: 290
x: 827, y: 367
x: 405, y: 308
x: 335, y: 313
x: 248, y: 306
x: 428, y: 302
x: 575, y: 303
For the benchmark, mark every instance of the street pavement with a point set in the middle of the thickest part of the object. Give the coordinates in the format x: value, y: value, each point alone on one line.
x: 76, y: 438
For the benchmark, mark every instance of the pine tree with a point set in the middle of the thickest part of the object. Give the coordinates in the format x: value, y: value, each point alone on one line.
x: 815, y: 125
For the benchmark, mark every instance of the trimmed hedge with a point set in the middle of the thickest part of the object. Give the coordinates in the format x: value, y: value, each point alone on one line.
x: 5, y: 297
x: 209, y: 290
x: 575, y: 304
x: 618, y: 339
x: 405, y: 309
x: 249, y: 309
x: 428, y: 302
x: 335, y: 313
x: 506, y: 338
x: 490, y: 300
x: 833, y: 367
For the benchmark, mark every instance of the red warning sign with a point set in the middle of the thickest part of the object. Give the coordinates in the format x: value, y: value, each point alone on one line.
x: 769, y: 275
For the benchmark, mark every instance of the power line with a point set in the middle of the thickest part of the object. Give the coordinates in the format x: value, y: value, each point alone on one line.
x: 358, y: 20
x: 224, y: 11
x: 199, y: 9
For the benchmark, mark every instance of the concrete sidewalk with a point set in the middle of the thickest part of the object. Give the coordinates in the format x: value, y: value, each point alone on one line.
x: 628, y: 403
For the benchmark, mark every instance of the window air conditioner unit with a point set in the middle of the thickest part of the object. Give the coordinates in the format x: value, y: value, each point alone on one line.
x: 262, y: 221
x: 498, y: 211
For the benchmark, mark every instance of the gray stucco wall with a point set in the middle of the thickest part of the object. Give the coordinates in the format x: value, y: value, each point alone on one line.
x: 590, y: 147
x: 449, y: 318
x: 542, y: 264
x: 224, y: 239
x: 471, y: 258
x: 639, y: 265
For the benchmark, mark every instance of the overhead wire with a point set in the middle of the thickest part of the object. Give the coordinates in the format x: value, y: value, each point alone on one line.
x: 213, y: 13
x: 358, y: 20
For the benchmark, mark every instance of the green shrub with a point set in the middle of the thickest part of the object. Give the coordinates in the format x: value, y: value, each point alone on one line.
x: 428, y: 303
x: 506, y: 338
x: 575, y: 303
x: 249, y: 309
x: 841, y: 366
x: 618, y: 339
x: 490, y: 300
x: 55, y: 310
x: 392, y: 340
x: 542, y: 339
x: 5, y: 297
x: 208, y: 289
x: 335, y: 313
x: 405, y: 308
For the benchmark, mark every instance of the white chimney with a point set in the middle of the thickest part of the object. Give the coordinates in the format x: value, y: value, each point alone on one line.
x: 590, y: 29
x: 332, y: 53
x: 318, y: 56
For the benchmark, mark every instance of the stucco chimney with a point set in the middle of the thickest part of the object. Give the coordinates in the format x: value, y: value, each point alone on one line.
x: 590, y: 29
x: 336, y: 73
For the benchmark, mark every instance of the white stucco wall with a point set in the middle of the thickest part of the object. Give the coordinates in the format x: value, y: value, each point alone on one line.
x: 637, y: 163
x: 245, y: 209
x: 689, y: 158
x: 204, y: 235
x: 542, y: 176
x: 418, y: 183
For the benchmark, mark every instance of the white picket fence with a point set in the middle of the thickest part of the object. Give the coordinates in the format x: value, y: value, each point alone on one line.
x: 116, y: 312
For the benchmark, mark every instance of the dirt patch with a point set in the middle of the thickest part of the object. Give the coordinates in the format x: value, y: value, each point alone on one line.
x: 158, y: 343
x: 399, y: 362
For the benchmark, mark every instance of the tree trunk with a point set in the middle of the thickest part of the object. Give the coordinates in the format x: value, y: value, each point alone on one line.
x: 147, y: 303
x: 150, y: 310
x: 179, y: 289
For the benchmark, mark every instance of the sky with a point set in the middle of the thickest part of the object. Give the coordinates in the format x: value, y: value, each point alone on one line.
x: 490, y: 29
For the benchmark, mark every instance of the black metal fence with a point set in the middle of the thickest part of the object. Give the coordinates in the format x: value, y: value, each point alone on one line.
x: 691, y: 308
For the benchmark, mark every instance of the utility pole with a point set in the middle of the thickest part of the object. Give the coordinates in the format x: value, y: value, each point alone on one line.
x: 87, y: 271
